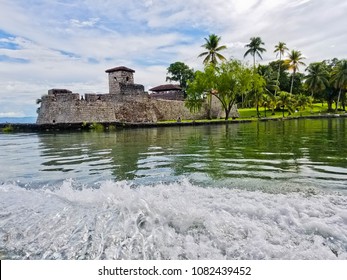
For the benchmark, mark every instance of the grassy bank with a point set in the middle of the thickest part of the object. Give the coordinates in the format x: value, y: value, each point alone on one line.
x: 251, y: 114
x: 317, y: 108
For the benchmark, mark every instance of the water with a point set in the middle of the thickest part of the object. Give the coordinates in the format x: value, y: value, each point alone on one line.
x: 273, y: 190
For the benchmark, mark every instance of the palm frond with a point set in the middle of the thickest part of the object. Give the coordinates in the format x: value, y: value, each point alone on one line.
x: 203, y: 54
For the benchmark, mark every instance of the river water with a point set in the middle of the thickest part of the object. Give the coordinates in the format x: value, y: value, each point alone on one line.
x: 262, y: 190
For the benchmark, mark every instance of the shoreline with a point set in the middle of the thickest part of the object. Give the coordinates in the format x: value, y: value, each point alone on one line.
x: 109, y: 126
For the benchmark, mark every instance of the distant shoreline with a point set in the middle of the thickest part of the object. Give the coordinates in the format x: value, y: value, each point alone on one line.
x: 109, y: 126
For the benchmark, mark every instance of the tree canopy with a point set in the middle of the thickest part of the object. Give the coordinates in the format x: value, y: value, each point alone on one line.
x: 269, y: 85
x: 181, y: 73
x: 293, y: 61
x: 255, y: 48
x: 226, y: 82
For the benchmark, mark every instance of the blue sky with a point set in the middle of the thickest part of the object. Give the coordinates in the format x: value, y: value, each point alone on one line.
x: 70, y: 43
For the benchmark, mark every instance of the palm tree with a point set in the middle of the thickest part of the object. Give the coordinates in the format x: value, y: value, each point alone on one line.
x: 284, y: 99
x: 339, y: 78
x: 266, y: 102
x: 301, y: 101
x: 294, y: 60
x: 279, y: 50
x: 254, y: 48
x: 213, y: 48
x: 317, y: 77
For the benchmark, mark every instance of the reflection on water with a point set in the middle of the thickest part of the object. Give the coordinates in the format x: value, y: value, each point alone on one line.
x: 309, y: 151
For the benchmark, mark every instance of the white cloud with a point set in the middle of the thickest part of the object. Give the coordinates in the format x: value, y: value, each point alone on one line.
x: 86, y: 23
x: 69, y: 44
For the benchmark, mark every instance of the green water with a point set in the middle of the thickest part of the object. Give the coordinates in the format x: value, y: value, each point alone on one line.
x: 310, y: 152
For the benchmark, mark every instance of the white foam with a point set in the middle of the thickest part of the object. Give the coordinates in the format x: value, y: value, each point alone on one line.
x: 170, y: 221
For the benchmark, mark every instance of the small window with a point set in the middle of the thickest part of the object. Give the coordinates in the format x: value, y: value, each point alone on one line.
x: 127, y: 79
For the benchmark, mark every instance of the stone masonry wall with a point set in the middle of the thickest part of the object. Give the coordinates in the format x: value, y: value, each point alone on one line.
x: 110, y: 108
x: 131, y: 89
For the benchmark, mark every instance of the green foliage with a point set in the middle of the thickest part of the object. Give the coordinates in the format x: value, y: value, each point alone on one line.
x: 111, y: 128
x: 181, y: 73
x: 8, y: 128
x: 256, y: 94
x: 317, y: 78
x: 284, y: 80
x: 280, y: 48
x: 197, y: 91
x: 213, y: 48
x: 301, y: 102
x: 226, y: 82
x: 255, y: 48
x: 293, y: 61
x: 97, y: 127
x: 270, y: 77
x: 285, y: 99
x: 339, y: 80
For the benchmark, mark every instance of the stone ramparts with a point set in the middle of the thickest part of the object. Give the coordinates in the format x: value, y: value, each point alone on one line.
x: 71, y: 108
x: 125, y: 102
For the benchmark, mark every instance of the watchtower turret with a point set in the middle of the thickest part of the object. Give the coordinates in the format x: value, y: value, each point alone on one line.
x: 117, y: 76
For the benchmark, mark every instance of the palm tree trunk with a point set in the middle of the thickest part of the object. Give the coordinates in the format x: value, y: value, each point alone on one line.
x: 291, y: 86
x: 278, y: 79
x: 278, y: 75
x: 338, y: 100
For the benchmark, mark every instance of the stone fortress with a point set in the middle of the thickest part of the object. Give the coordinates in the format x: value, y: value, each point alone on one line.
x: 125, y: 102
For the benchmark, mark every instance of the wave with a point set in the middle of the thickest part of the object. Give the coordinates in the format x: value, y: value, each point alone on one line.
x: 180, y: 220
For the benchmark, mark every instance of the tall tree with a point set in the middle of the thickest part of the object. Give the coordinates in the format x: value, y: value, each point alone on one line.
x: 256, y: 95
x: 226, y: 82
x: 293, y: 61
x: 339, y: 78
x: 213, y: 48
x: 180, y: 72
x: 317, y: 77
x: 255, y: 48
x: 280, y: 48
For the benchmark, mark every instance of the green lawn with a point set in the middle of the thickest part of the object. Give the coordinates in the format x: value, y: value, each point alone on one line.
x: 317, y: 108
x: 251, y: 113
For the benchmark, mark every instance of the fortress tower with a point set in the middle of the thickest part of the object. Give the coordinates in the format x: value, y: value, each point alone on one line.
x: 121, y: 79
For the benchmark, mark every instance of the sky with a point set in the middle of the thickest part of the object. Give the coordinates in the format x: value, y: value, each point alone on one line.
x: 70, y: 43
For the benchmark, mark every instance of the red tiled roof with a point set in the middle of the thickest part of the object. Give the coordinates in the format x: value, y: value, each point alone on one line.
x: 167, y: 87
x: 120, y: 68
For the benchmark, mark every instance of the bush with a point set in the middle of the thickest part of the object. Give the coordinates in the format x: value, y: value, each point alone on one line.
x: 97, y: 127
x: 8, y: 128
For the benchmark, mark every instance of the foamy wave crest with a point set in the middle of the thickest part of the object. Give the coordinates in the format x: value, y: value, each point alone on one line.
x: 169, y: 221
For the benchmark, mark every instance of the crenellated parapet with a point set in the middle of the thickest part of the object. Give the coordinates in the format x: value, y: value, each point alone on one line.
x: 61, y: 95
